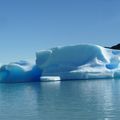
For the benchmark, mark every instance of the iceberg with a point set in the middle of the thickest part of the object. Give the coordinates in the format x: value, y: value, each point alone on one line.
x: 21, y: 71
x: 84, y: 61
x: 75, y: 62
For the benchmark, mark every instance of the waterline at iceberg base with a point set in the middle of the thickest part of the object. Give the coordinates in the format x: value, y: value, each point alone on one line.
x: 84, y: 61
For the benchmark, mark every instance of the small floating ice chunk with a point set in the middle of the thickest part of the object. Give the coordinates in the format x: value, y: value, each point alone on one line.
x: 50, y: 78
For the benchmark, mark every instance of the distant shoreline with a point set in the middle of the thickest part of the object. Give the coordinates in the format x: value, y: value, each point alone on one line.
x: 116, y: 47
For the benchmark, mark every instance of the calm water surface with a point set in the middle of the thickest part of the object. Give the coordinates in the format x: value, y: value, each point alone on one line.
x: 67, y: 100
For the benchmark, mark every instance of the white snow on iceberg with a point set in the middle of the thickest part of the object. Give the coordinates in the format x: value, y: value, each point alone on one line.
x: 85, y: 61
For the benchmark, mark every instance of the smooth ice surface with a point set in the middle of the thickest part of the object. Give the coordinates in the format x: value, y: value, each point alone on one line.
x: 49, y: 78
x: 85, y: 61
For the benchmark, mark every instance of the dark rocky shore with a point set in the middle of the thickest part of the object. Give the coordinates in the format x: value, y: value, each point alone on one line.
x: 117, y: 47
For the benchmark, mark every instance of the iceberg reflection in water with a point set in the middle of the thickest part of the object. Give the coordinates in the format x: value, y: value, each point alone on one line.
x: 66, y: 100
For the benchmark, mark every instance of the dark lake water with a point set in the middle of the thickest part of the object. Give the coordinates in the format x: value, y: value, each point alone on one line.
x: 66, y: 100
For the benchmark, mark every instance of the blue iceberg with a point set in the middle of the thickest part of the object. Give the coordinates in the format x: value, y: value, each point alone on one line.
x: 21, y: 71
x: 84, y: 61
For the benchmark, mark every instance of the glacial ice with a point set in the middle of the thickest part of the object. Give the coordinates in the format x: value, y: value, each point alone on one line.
x: 75, y: 62
x: 84, y: 61
x: 21, y: 71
